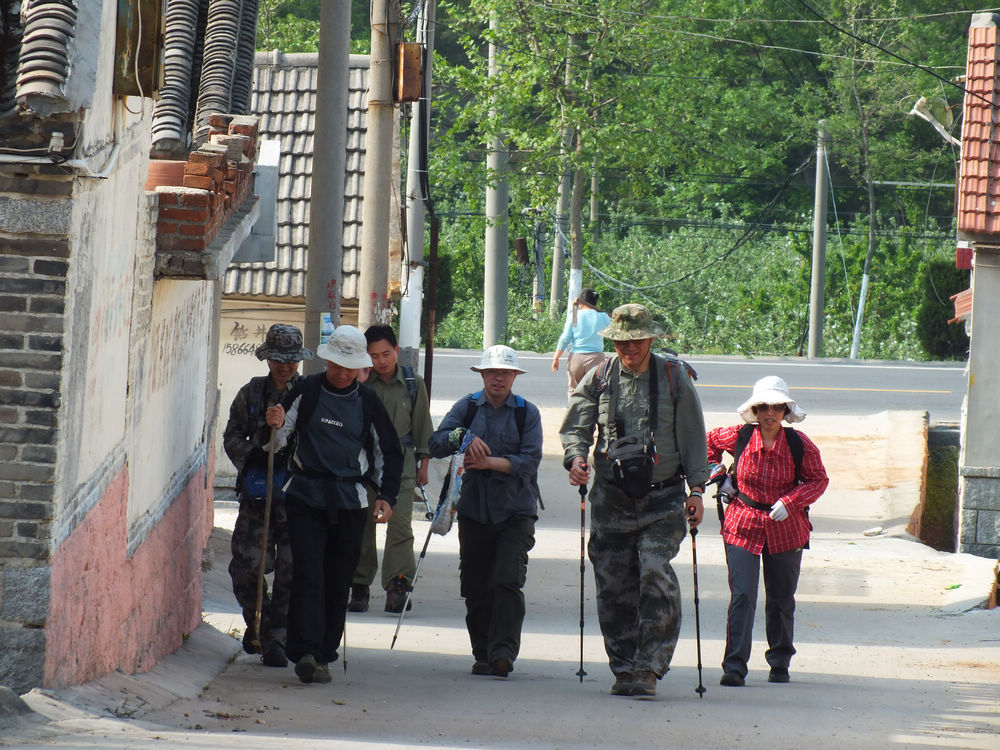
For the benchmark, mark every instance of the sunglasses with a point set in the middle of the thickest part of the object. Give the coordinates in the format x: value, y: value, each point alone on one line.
x: 769, y: 407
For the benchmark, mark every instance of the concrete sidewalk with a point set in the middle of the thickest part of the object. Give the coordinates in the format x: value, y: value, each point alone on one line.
x: 894, y: 649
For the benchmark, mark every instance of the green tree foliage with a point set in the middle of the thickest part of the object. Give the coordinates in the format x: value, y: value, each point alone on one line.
x: 701, y: 118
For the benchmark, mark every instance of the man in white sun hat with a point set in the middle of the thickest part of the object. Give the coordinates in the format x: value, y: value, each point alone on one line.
x: 497, y: 506
x: 778, y: 474
x: 345, y: 443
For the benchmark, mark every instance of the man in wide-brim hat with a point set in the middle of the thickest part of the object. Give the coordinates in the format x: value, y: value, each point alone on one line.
x: 497, y: 506
x: 244, y: 439
x: 343, y: 435
x: 650, y: 442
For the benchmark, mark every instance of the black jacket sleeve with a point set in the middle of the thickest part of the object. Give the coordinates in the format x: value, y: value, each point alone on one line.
x: 388, y: 451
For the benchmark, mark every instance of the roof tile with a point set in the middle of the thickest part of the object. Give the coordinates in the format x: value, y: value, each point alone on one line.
x: 284, y: 97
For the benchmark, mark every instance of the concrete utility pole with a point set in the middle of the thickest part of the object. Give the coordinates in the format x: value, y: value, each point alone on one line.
x: 410, y: 306
x: 495, y: 282
x: 324, y: 279
x: 373, y: 281
x: 562, y: 205
x: 817, y: 290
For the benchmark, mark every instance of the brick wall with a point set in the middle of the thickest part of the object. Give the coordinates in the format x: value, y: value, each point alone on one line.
x: 32, y: 288
x: 218, y: 177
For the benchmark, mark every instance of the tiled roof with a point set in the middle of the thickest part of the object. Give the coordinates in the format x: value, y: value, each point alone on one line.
x: 284, y: 97
x: 979, y: 181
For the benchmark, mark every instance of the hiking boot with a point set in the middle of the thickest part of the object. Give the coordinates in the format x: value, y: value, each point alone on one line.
x: 778, y: 674
x: 306, y: 668
x: 623, y: 683
x: 482, y: 668
x: 322, y: 673
x: 274, y: 656
x: 644, y: 684
x: 395, y: 595
x: 731, y: 679
x: 502, y: 667
x: 249, y: 636
x: 359, y: 598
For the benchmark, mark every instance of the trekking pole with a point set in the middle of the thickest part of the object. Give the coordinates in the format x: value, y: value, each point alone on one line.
x: 255, y: 641
x: 700, y: 690
x: 345, y: 643
x: 416, y: 572
x: 583, y: 531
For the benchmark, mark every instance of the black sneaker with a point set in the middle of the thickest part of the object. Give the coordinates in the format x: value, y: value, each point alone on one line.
x: 731, y: 679
x: 502, y: 667
x: 778, y: 674
x: 482, y: 668
x: 322, y: 673
x: 274, y: 656
x: 359, y: 598
x: 395, y: 595
x: 306, y: 667
x: 249, y: 636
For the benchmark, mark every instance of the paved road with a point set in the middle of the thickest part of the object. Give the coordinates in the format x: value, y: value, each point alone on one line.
x: 828, y: 386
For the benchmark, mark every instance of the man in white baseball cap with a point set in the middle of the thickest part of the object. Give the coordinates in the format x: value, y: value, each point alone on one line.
x: 497, y: 506
x: 345, y: 442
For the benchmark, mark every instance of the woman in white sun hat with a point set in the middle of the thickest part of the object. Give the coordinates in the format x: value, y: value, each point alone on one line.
x: 778, y: 474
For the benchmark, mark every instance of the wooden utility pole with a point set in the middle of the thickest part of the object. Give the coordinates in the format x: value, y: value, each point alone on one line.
x: 324, y: 276
x: 373, y: 280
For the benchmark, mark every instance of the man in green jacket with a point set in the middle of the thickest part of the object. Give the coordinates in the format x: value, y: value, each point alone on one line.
x: 650, y: 443
x: 405, y: 398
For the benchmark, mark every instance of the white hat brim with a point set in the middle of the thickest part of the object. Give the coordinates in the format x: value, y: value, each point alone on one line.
x: 350, y: 361
x: 480, y: 368
x: 745, y: 410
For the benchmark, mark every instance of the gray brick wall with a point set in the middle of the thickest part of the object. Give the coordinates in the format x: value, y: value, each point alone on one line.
x: 980, y: 529
x: 33, y: 274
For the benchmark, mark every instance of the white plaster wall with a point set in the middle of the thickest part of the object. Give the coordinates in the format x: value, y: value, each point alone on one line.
x: 100, y: 286
x: 982, y: 402
x: 242, y: 327
x: 172, y: 422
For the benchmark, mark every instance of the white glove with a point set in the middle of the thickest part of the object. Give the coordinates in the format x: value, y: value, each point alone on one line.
x: 778, y: 511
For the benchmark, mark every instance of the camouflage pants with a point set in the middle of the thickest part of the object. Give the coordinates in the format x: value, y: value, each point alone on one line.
x: 247, y: 537
x: 638, y: 597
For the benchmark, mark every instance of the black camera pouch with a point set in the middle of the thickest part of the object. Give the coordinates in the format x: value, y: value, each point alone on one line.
x: 632, y: 460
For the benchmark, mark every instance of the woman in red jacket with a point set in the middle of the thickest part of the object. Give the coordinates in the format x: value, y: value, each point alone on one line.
x: 766, y: 520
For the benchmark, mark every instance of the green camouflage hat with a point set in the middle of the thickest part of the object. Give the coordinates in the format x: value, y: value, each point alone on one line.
x: 283, y: 344
x: 630, y: 322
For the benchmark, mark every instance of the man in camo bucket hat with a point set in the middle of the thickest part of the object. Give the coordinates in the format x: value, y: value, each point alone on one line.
x: 631, y: 322
x: 244, y: 440
x: 283, y: 343
x: 650, y: 442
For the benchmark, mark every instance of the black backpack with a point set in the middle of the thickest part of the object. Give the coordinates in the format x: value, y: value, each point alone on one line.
x: 791, y: 437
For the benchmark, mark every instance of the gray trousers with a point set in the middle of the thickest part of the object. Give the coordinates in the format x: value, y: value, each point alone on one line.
x: 781, y: 577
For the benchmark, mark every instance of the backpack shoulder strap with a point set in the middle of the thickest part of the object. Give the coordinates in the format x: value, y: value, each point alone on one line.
x: 411, y: 384
x: 742, y: 440
x: 520, y: 411
x: 310, y: 397
x: 520, y: 414
x: 794, y: 441
x: 471, y: 407
x: 672, y: 363
x: 601, y: 378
